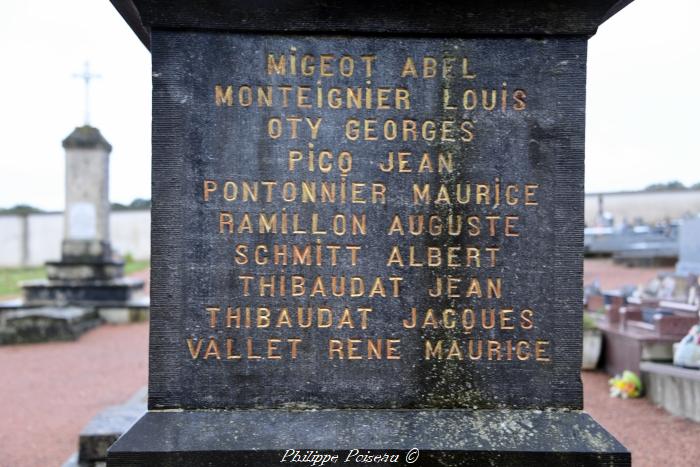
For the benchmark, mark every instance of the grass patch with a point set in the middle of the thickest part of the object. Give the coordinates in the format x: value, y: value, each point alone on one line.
x: 133, y: 266
x: 11, y: 277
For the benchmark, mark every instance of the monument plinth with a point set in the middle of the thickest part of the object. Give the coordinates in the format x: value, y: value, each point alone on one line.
x: 87, y: 274
x: 367, y: 233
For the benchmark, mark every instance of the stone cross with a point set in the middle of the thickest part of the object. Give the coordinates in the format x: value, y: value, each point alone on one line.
x: 86, y: 76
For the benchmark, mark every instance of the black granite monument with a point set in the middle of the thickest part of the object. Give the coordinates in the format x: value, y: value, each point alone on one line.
x: 367, y: 234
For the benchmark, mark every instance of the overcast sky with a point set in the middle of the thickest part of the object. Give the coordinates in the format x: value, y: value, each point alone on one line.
x: 642, y: 112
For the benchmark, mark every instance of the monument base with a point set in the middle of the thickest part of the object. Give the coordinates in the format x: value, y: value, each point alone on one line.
x: 441, y: 437
x: 84, y: 270
x: 22, y: 325
x: 112, y: 292
x: 87, y: 275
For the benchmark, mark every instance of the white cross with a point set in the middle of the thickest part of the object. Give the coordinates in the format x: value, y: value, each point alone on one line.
x: 86, y: 76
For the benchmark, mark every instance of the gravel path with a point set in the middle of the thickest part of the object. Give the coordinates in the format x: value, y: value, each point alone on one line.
x: 50, y: 391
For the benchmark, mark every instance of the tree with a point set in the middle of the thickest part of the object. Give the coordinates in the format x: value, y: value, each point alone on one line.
x: 138, y: 203
x: 21, y: 209
x: 669, y: 186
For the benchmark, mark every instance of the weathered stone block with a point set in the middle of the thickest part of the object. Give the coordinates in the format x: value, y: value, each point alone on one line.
x: 674, y: 388
x: 59, y: 270
x: 26, y: 325
x: 80, y: 292
x: 131, y: 312
x: 104, y: 429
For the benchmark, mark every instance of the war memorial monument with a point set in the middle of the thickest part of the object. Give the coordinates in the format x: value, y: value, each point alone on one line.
x: 367, y: 234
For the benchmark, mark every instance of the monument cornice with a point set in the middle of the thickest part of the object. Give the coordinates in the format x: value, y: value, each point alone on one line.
x: 86, y: 137
x: 433, y: 17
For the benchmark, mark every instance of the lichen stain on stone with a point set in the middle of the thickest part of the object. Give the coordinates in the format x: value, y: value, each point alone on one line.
x: 596, y: 439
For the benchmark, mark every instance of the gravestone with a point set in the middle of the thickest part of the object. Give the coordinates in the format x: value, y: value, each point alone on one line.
x: 367, y: 234
x: 689, y: 248
x: 88, y: 274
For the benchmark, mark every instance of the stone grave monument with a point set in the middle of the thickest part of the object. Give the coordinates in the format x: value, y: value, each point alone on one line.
x: 367, y: 234
x: 87, y: 285
x: 88, y: 273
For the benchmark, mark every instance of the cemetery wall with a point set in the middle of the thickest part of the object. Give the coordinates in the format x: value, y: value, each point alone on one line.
x: 10, y: 240
x: 36, y: 238
x: 650, y: 206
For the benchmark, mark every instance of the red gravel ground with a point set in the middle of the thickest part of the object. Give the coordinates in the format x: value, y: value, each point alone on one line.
x: 655, y: 438
x: 614, y: 276
x: 50, y: 391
